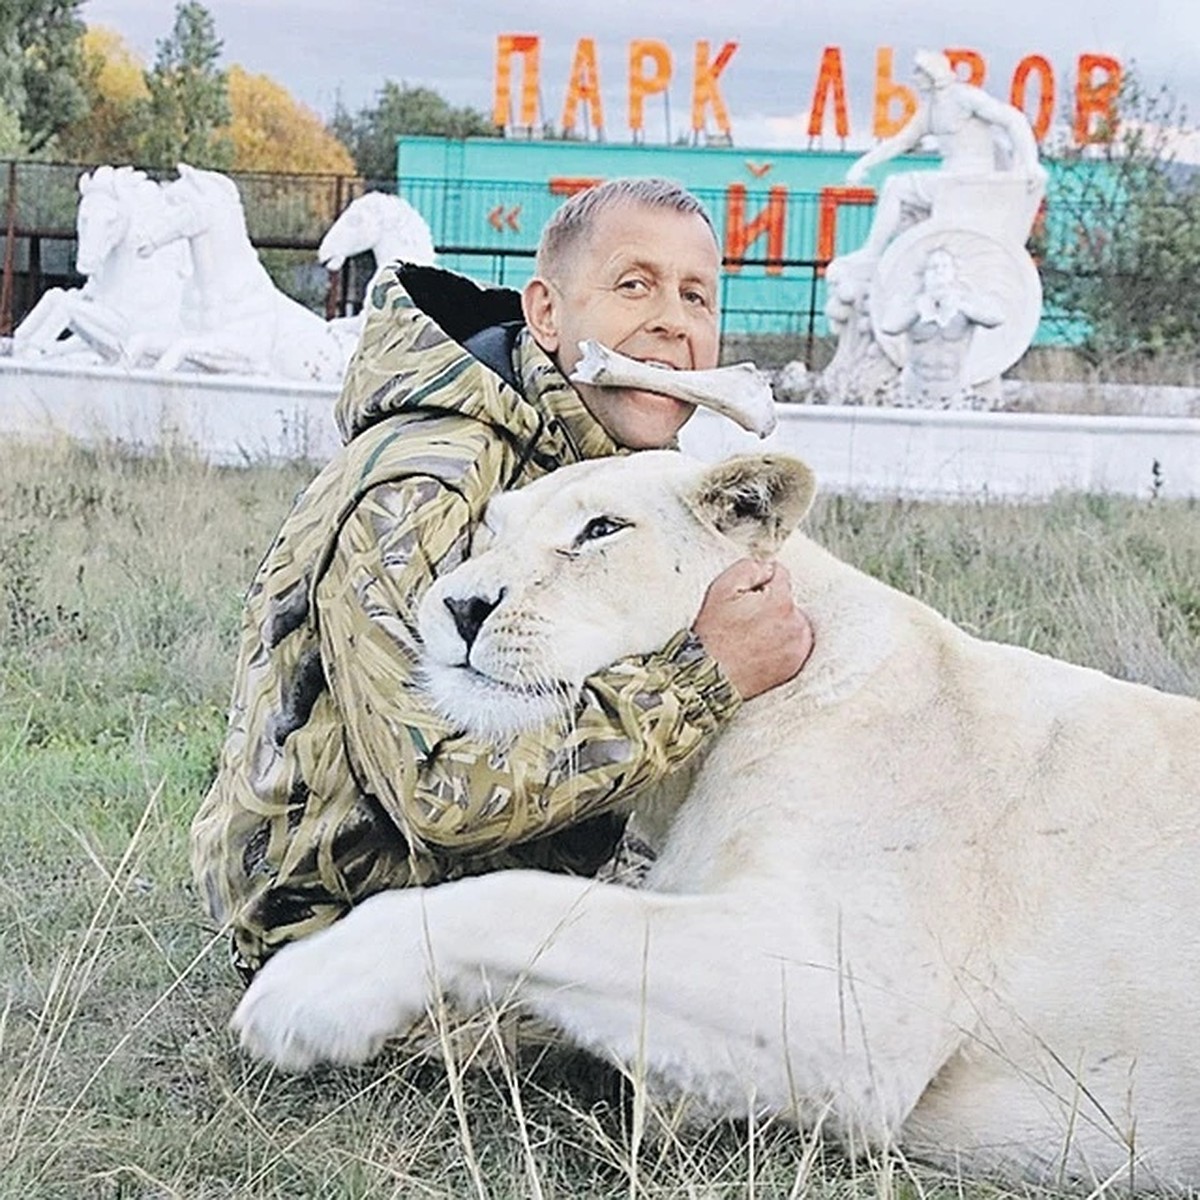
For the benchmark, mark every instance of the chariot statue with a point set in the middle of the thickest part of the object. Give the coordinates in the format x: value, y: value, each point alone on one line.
x: 942, y: 297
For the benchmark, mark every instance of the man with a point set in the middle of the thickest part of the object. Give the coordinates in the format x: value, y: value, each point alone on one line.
x: 337, y: 780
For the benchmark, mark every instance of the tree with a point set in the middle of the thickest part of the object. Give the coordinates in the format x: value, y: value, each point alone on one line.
x: 115, y: 125
x: 271, y: 131
x: 12, y: 141
x: 1122, y: 243
x: 189, y: 99
x: 371, y: 134
x: 40, y: 67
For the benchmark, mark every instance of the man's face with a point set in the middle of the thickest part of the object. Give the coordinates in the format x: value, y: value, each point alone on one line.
x: 644, y: 283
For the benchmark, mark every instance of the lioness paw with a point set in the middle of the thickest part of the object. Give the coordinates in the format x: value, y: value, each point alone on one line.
x: 332, y: 998
x: 294, y: 1036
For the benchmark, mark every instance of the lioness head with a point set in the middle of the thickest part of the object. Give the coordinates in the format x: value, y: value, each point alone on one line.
x: 587, y: 566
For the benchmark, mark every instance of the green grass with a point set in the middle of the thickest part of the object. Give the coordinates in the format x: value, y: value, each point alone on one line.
x: 120, y: 584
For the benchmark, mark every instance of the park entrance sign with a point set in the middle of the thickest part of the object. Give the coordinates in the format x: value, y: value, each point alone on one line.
x: 649, y: 70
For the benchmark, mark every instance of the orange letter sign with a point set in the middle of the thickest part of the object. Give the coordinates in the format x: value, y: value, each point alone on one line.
x: 886, y: 92
x: 830, y: 78
x: 739, y: 235
x: 705, y: 90
x: 1097, y: 99
x: 527, y: 45
x: 641, y: 85
x: 1020, y: 81
x: 977, y: 68
x: 568, y: 185
x: 832, y: 198
x: 584, y: 86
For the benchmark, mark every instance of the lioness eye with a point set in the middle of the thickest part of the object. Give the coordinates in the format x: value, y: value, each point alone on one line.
x: 600, y: 527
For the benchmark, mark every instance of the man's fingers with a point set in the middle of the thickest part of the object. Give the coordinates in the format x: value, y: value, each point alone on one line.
x: 750, y: 624
x: 776, y: 586
x: 780, y: 577
x: 759, y: 577
x: 747, y: 575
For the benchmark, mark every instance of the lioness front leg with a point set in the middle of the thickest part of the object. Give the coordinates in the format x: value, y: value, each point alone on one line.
x: 622, y: 971
x: 682, y: 986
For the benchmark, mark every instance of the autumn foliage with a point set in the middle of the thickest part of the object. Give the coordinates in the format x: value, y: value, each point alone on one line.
x: 115, y: 85
x: 269, y: 129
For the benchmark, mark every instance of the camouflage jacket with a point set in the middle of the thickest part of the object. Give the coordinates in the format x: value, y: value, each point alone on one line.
x: 336, y: 780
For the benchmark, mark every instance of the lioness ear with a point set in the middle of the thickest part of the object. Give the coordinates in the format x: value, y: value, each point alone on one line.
x: 756, y: 499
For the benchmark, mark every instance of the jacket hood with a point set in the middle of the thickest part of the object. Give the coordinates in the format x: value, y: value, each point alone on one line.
x: 435, y: 341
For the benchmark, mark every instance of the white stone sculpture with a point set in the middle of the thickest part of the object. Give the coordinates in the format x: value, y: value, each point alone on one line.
x: 939, y: 321
x: 955, y: 235
x: 792, y: 382
x: 126, y: 294
x: 173, y: 281
x: 387, y: 226
x: 234, y: 317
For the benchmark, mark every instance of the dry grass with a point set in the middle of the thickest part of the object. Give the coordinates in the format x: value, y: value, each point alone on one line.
x: 119, y: 595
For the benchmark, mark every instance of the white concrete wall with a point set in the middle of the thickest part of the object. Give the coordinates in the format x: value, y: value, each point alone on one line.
x: 228, y: 419
x: 883, y: 452
x: 918, y: 453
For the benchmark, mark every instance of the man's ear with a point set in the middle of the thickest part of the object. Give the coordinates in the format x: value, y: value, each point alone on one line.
x: 539, y: 305
x: 755, y: 499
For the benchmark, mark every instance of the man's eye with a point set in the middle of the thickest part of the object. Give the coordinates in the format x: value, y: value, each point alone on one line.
x: 600, y: 527
x: 633, y: 286
x: 697, y: 298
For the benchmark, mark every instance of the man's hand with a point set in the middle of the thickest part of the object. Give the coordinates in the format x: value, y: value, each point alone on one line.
x: 752, y: 627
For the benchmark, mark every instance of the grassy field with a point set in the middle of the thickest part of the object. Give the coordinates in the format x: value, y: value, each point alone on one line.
x: 120, y: 583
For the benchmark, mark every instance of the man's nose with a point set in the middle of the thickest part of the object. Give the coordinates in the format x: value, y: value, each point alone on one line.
x: 469, y: 614
x: 671, y: 316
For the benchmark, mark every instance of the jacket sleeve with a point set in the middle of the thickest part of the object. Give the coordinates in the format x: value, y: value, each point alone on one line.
x: 635, y: 721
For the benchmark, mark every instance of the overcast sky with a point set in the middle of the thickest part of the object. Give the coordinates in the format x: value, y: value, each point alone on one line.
x: 325, y: 49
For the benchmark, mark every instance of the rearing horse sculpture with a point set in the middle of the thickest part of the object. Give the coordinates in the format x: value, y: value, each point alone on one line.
x: 130, y: 300
x: 391, y: 229
x: 386, y: 225
x: 234, y: 317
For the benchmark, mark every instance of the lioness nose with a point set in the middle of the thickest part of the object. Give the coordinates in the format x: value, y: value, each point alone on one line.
x: 469, y: 614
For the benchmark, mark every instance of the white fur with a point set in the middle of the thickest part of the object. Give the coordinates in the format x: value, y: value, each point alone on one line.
x: 940, y: 891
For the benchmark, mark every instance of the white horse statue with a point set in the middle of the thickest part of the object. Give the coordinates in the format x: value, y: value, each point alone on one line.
x: 128, y: 297
x: 234, y: 317
x: 384, y: 224
x: 391, y: 229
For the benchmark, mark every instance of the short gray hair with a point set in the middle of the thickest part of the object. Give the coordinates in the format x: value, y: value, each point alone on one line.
x: 574, y: 221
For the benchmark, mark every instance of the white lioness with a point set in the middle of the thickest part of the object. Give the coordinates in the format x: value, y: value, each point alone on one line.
x: 937, y: 892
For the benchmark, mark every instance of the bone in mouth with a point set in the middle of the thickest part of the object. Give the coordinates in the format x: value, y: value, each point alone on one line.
x: 741, y: 392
